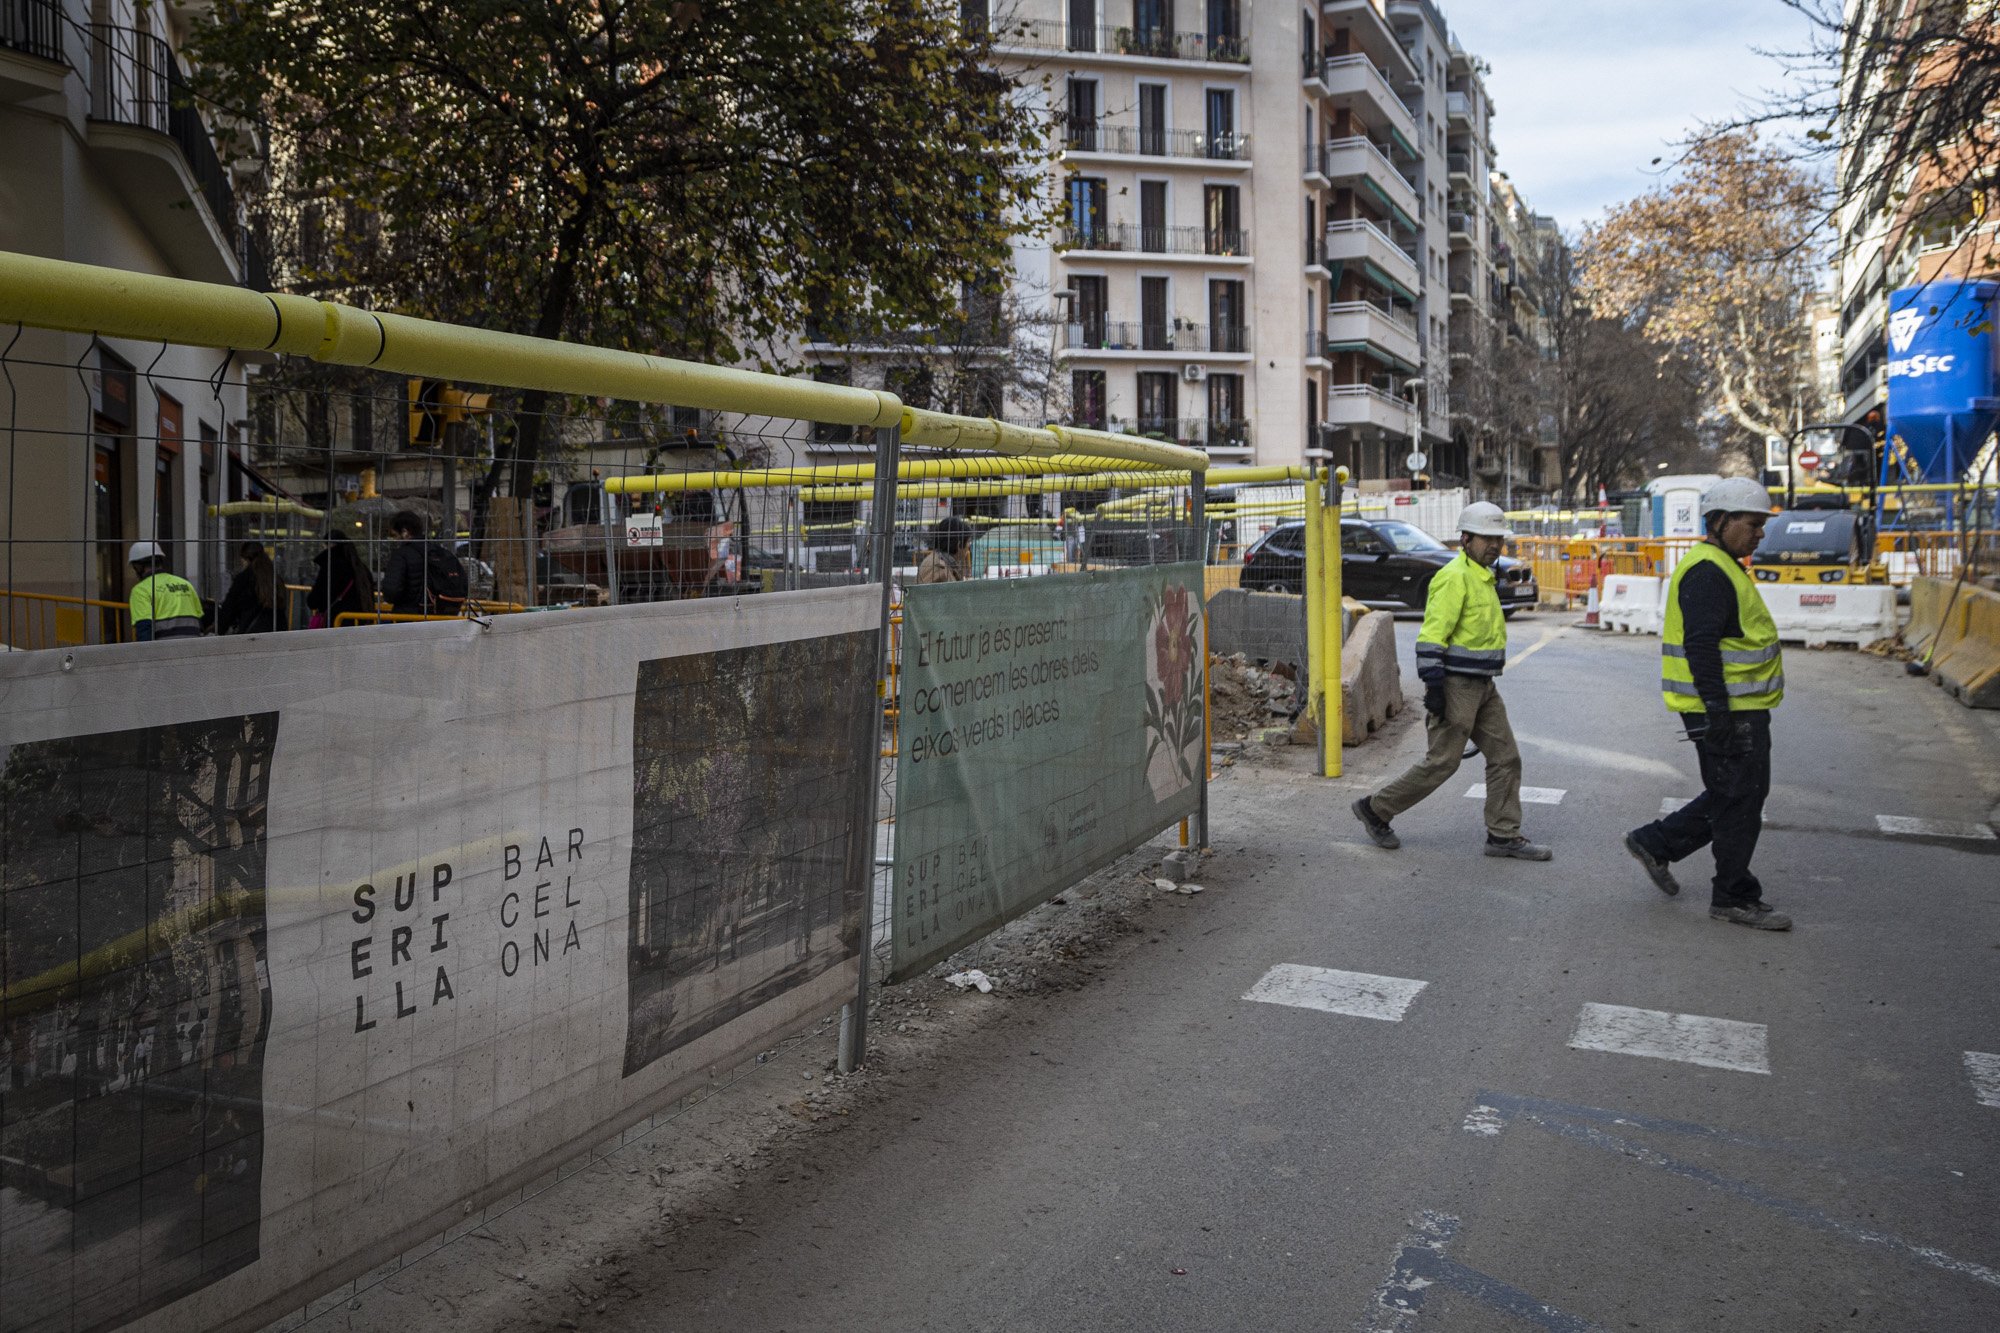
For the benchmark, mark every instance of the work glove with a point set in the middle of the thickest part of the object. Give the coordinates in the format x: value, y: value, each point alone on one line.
x: 1718, y: 729
x: 1434, y: 701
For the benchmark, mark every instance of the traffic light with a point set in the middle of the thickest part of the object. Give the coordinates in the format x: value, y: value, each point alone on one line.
x: 426, y: 399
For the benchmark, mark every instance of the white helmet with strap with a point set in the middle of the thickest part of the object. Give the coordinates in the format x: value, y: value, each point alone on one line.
x: 1484, y: 519
x: 143, y: 551
x: 1735, y: 495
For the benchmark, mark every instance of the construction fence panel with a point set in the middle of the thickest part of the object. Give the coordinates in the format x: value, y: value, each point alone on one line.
x: 315, y: 941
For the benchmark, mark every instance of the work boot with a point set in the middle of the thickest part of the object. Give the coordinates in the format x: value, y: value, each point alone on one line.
x: 1518, y: 848
x: 1656, y: 869
x: 1756, y: 915
x: 1378, y: 828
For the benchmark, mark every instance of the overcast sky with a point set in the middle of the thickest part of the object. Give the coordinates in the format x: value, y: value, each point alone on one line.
x: 1589, y: 92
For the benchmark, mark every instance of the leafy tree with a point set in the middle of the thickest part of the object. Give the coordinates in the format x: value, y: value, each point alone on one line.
x: 692, y: 178
x: 1618, y: 404
x: 1718, y: 266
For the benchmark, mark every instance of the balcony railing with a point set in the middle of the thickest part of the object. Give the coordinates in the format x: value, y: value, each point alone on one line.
x: 1124, y: 236
x: 1458, y: 106
x: 1117, y: 335
x: 33, y: 27
x: 1154, y: 142
x: 1315, y: 343
x: 1154, y: 43
x: 1402, y: 319
x: 135, y: 80
x: 1195, y: 432
x: 1458, y: 164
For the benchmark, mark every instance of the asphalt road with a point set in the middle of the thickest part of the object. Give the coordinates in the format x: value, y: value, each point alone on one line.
x: 1156, y: 1152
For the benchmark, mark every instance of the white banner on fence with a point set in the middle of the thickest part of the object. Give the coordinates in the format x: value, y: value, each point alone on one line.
x: 310, y: 939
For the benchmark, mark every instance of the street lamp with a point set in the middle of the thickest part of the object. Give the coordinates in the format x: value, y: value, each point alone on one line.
x: 1416, y: 460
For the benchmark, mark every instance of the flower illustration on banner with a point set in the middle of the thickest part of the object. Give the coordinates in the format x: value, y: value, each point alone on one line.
x: 1173, y: 693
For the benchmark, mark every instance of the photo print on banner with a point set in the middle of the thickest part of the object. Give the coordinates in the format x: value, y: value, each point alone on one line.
x: 137, y: 1002
x: 750, y: 837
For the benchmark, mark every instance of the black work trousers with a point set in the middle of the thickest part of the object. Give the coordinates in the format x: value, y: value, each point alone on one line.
x: 1729, y: 813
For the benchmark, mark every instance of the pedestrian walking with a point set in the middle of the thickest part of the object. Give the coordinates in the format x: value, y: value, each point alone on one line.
x: 423, y: 578
x: 252, y: 604
x: 1721, y: 671
x: 164, y: 605
x: 950, y: 556
x: 1461, y: 651
x: 342, y: 584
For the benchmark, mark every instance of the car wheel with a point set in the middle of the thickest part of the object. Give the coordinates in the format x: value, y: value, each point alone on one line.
x: 1277, y: 587
x: 1507, y: 613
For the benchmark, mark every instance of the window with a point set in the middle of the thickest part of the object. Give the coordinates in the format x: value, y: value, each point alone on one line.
x: 1153, y: 216
x: 209, y: 531
x: 166, y: 470
x: 1221, y: 123
x: 1225, y: 411
x: 1086, y: 390
x: 1153, y: 333
x: 1153, y: 26
x: 1225, y: 30
x: 1313, y: 255
x: 1083, y: 25
x: 980, y: 394
x: 1312, y: 414
x: 1083, y: 115
x: 1090, y: 307
x: 1153, y: 119
x: 1086, y: 211
x: 1156, y: 403
x: 1222, y: 219
x: 1225, y: 317
x: 1360, y: 539
x: 361, y: 424
x: 826, y: 432
x: 912, y: 384
x: 973, y: 16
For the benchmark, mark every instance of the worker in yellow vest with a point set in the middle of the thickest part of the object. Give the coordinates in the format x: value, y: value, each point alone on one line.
x: 164, y: 605
x: 1461, y: 651
x: 1722, y: 672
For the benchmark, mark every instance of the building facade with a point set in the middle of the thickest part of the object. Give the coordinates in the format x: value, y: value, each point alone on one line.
x: 113, y: 441
x: 1274, y: 222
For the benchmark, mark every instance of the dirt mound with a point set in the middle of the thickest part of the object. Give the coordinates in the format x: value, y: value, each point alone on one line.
x: 1245, y: 697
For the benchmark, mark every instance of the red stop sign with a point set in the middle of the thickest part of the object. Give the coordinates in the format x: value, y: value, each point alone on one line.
x: 1809, y: 460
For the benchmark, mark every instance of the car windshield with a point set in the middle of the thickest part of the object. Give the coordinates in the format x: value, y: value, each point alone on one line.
x: 1407, y: 539
x: 1825, y: 535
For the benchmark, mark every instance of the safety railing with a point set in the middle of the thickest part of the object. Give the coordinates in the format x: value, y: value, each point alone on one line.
x: 34, y: 27
x: 1226, y: 46
x: 1157, y: 141
x: 34, y: 620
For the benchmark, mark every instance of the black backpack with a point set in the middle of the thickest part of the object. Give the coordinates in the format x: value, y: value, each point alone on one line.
x: 444, y: 580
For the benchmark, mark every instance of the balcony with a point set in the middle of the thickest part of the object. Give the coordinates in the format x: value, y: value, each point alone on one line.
x: 1460, y: 226
x: 1461, y: 291
x: 1355, y: 241
x: 1125, y: 238
x: 1223, y: 47
x: 33, y: 62
x: 159, y: 156
x: 1459, y: 167
x: 1359, y: 164
x: 1386, y: 333
x: 1134, y: 141
x: 1195, y: 432
x: 1354, y: 82
x: 1180, y: 337
x: 1352, y: 406
x: 1458, y: 107
x: 1371, y: 29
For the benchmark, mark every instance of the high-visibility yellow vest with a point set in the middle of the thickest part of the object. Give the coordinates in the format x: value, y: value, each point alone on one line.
x: 170, y: 603
x: 1464, y: 629
x: 1753, y: 670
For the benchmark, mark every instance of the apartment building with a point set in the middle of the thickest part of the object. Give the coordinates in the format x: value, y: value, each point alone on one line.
x: 115, y: 441
x: 1885, y: 242
x: 1264, y: 212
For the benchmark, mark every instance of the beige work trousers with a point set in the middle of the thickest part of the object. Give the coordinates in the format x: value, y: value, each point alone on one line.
x: 1472, y: 709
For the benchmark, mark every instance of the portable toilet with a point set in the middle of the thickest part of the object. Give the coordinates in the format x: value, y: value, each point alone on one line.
x: 1677, y: 503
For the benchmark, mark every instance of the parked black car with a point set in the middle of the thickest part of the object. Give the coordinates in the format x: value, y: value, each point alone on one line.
x: 1383, y: 562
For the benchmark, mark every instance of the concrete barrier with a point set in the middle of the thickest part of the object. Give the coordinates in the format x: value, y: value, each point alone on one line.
x: 1967, y: 661
x: 1630, y: 603
x: 1371, y: 682
x: 1263, y: 626
x: 1817, y: 613
x: 1929, y: 599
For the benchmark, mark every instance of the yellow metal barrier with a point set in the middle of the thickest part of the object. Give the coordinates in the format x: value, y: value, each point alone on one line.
x: 51, y: 620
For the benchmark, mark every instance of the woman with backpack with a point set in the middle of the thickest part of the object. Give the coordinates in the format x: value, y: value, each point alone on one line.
x: 342, y: 585
x: 423, y: 579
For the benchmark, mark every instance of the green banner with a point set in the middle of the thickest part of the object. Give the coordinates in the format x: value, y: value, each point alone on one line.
x: 1048, y: 726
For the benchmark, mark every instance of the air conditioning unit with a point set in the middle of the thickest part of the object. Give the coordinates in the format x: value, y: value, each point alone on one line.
x: 1194, y: 372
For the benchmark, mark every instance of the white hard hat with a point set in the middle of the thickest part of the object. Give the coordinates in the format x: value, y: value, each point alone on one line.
x: 1484, y: 519
x: 144, y: 551
x: 1735, y: 495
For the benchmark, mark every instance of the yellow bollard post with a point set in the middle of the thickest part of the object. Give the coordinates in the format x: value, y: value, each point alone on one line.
x: 1329, y: 547
x: 1315, y: 608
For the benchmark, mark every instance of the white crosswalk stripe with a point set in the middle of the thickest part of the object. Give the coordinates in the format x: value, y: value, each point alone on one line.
x: 1933, y: 828
x: 1718, y: 1043
x: 1355, y: 994
x: 1529, y: 795
x: 1672, y: 803
x: 1983, y: 1069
